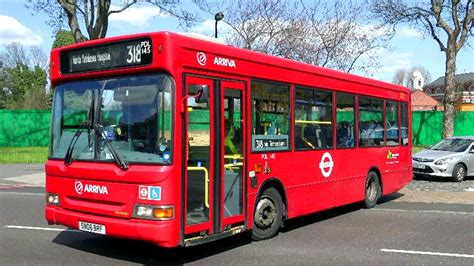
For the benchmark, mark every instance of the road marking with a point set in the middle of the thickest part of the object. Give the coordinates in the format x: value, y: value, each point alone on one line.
x: 428, y: 253
x: 40, y: 228
x: 471, y: 189
x: 423, y: 211
x: 22, y: 193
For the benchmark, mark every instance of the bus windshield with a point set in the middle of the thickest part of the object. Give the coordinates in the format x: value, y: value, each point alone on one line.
x: 133, y: 114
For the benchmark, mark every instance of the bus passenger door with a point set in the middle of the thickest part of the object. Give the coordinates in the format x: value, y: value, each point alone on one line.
x: 199, y: 157
x: 231, y: 161
x: 214, y: 180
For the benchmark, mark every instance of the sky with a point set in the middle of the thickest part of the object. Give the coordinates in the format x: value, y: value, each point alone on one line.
x: 408, y: 48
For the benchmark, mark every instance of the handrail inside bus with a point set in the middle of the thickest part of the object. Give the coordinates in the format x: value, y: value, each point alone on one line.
x: 305, y: 140
x: 233, y: 165
x: 206, y: 182
x: 312, y: 122
x: 233, y: 156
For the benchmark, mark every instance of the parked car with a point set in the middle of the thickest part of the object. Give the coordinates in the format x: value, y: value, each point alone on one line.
x: 452, y: 158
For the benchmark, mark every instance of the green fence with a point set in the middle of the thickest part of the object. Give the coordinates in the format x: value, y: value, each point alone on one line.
x: 24, y: 128
x: 28, y: 128
x: 428, y: 126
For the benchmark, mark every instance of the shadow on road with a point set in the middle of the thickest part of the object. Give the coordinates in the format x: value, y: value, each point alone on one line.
x: 143, y: 252
x: 146, y: 253
x: 332, y: 213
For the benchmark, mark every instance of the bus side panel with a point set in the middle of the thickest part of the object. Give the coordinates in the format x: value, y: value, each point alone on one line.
x: 309, y: 190
x: 395, y: 181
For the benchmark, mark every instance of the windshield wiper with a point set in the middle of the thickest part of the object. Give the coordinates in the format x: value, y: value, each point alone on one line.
x: 72, y: 143
x: 117, y: 158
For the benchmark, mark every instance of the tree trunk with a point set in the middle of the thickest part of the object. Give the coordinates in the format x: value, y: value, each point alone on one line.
x: 450, y: 91
x: 70, y: 8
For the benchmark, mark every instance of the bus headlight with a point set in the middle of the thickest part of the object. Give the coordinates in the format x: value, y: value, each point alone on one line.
x: 153, y: 212
x: 52, y: 199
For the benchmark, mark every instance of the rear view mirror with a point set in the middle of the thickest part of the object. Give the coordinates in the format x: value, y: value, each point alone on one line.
x: 202, y: 94
x: 198, y: 96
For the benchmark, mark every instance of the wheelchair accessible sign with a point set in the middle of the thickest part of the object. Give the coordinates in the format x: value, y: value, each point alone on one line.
x: 149, y: 193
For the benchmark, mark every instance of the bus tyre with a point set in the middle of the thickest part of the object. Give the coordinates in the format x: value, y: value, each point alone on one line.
x: 459, y: 173
x: 268, y: 215
x: 372, y: 190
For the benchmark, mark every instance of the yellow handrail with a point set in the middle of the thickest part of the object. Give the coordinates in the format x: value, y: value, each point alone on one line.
x: 313, y: 122
x: 231, y: 165
x: 233, y: 156
x: 206, y: 182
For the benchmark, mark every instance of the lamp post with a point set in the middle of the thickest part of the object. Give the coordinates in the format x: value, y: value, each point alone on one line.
x: 218, y: 17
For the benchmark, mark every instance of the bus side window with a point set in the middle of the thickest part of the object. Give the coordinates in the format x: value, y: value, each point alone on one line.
x: 391, y: 123
x: 404, y: 120
x: 345, y: 116
x: 270, y: 116
x: 313, y: 119
x: 371, y: 132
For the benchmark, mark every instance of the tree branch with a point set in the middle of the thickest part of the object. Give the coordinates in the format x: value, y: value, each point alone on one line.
x: 468, y: 20
x: 433, y: 34
x: 123, y: 8
x: 437, y: 8
x: 454, y: 14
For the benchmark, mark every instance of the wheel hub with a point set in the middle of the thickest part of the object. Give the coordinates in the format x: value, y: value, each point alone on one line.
x: 460, y: 173
x: 371, y: 191
x: 265, y: 214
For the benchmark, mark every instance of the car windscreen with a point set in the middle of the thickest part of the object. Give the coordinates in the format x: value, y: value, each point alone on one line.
x: 452, y: 145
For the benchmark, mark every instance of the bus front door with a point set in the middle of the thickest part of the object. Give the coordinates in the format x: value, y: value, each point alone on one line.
x: 214, y: 183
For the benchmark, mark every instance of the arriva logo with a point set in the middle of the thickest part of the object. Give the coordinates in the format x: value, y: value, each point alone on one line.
x: 201, y: 58
x: 224, y: 62
x: 88, y: 188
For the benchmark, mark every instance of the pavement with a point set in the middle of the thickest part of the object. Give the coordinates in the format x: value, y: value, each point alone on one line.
x: 425, y: 191
x: 25, y: 175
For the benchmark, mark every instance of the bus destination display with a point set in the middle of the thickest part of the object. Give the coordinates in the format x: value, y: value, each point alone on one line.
x: 135, y: 52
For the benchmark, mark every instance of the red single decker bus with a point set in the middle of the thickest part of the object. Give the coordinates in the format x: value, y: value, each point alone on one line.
x: 177, y: 140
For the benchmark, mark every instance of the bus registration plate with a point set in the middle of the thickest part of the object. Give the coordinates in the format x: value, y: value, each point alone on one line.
x: 93, y: 228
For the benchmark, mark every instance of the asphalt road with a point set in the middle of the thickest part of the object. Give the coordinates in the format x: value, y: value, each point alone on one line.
x: 393, y: 233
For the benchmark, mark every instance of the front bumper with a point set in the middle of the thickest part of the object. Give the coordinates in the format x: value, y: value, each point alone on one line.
x: 431, y: 169
x: 161, y: 233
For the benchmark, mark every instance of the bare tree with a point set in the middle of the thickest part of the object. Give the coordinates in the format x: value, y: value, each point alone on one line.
x: 403, y: 76
x: 37, y: 57
x: 400, y: 76
x: 341, y: 37
x: 15, y: 54
x: 257, y: 25
x: 449, y: 23
x: 94, y: 14
x: 328, y: 34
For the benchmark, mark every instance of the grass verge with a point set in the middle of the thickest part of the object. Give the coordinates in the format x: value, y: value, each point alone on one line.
x: 416, y: 149
x: 23, y: 154
x: 40, y: 154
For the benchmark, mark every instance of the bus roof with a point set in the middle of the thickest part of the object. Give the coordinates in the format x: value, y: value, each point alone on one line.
x: 226, y: 56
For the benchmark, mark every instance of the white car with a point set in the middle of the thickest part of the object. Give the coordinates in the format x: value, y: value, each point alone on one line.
x: 452, y: 158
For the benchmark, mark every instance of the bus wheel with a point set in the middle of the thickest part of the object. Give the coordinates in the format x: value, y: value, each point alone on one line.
x: 459, y: 173
x: 372, y: 190
x: 268, y: 215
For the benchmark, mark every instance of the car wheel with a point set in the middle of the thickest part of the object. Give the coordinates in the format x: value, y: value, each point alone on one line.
x: 459, y: 173
x: 268, y: 215
x: 372, y: 190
